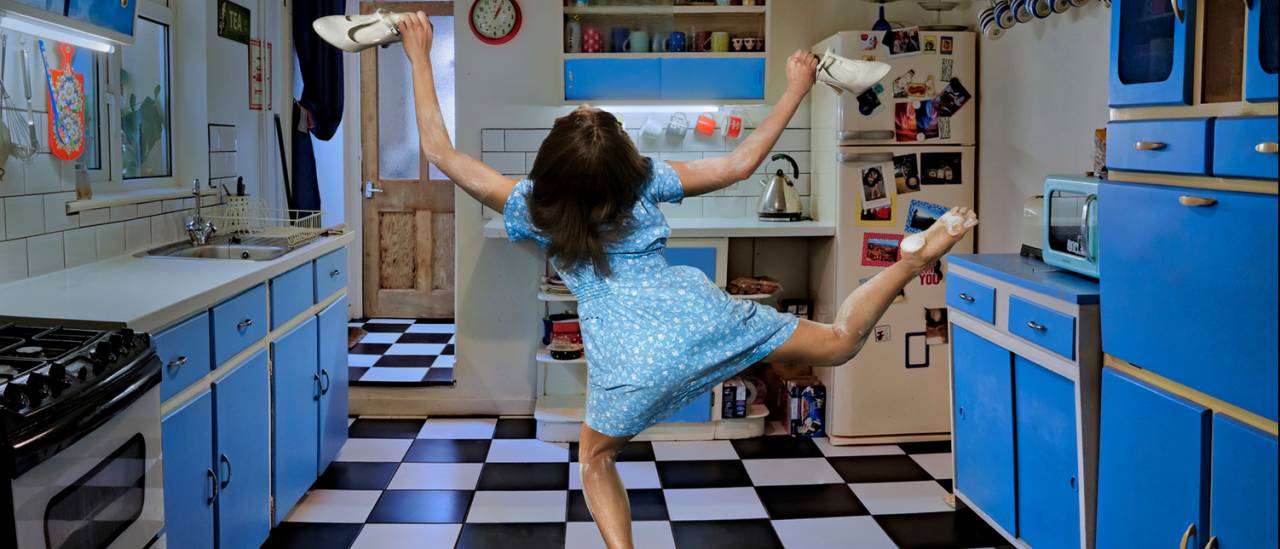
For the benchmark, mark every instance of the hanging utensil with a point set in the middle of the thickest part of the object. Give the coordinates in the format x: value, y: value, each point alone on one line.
x: 66, y: 105
x: 12, y: 124
x: 32, y: 137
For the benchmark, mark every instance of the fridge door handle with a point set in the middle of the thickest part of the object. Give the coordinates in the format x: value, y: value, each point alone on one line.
x: 849, y: 158
x: 865, y: 135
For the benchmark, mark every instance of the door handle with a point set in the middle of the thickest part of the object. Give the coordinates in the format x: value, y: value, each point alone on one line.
x: 222, y: 458
x: 1213, y: 540
x: 1177, y: 10
x: 316, y: 382
x: 1186, y: 536
x: 1196, y: 201
x: 177, y: 363
x: 960, y: 411
x: 369, y: 189
x: 324, y: 389
x: 213, y: 486
x: 1267, y: 147
x: 1248, y: 5
x: 864, y: 157
x: 1150, y: 145
x: 1036, y: 326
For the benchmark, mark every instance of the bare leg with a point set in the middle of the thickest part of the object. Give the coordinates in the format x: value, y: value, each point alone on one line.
x: 835, y: 344
x: 606, y: 496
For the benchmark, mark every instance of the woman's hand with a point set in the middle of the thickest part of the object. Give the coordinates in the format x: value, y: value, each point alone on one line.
x: 802, y: 70
x: 416, y: 31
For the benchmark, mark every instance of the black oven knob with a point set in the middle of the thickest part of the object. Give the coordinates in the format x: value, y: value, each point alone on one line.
x: 103, y: 353
x: 37, y: 388
x: 58, y: 379
x: 14, y: 396
x: 79, y: 370
x: 118, y: 343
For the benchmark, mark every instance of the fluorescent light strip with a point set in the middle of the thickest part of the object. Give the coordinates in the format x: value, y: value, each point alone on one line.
x: 55, y: 33
x: 659, y: 108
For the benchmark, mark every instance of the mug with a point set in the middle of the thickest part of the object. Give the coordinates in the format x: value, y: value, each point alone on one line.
x: 706, y: 124
x: 658, y: 43
x: 737, y: 44
x: 1041, y: 8
x: 701, y: 41
x: 638, y: 42
x: 573, y: 37
x: 720, y: 41
x: 592, y: 40
x: 1079, y: 3
x: 1004, y: 15
x: 651, y: 128
x: 1061, y: 6
x: 722, y: 2
x: 675, y: 42
x: 619, y: 36
x: 987, y: 24
x: 748, y: 2
x: 750, y: 43
x: 732, y: 126
x: 1022, y: 11
x: 678, y: 124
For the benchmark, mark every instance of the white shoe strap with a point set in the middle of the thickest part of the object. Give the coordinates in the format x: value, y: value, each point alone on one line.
x: 385, y: 16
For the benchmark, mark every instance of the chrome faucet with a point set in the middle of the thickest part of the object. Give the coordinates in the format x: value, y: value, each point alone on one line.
x: 198, y: 228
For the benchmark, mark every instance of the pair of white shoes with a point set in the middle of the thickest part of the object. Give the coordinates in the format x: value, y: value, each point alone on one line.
x: 355, y: 33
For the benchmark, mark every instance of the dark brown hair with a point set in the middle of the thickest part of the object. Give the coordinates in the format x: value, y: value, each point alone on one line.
x: 586, y: 179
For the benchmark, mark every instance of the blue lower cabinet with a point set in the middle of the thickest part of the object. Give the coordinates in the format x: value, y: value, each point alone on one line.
x: 333, y: 376
x: 591, y: 79
x: 190, y: 484
x: 702, y: 258
x: 983, y: 426
x: 1153, y: 467
x: 296, y: 389
x: 244, y: 442
x: 1048, y: 483
x: 713, y: 78
x: 697, y: 411
x: 1243, y: 500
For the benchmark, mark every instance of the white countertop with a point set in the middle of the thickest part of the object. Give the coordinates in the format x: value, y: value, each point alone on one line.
x: 735, y: 227
x: 144, y: 293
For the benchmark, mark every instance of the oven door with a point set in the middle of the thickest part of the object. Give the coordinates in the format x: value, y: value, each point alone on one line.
x: 104, y: 490
x: 1070, y: 226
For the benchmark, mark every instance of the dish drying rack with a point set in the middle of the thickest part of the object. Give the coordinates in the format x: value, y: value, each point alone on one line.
x: 245, y: 217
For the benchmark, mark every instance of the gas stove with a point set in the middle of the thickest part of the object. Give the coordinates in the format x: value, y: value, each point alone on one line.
x: 41, y: 366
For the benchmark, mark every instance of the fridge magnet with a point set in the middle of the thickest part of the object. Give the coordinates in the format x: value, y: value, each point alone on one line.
x: 921, y: 215
x: 900, y: 84
x: 946, y: 45
x: 926, y: 120
x: 906, y: 173
x: 904, y: 122
x: 876, y: 217
x: 883, y: 333
x: 869, y: 58
x: 917, y: 350
x: 868, y: 41
x: 931, y: 44
x: 868, y: 101
x: 931, y: 275
x: 935, y: 326
x: 902, y: 41
x: 948, y: 67
x: 953, y: 97
x: 944, y: 127
x: 880, y: 249
x: 875, y: 192
x: 940, y: 168
x: 921, y: 90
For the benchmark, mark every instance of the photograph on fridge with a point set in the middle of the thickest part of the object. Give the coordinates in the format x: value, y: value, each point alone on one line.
x: 926, y: 120
x: 953, y: 97
x: 876, y: 217
x: 902, y: 41
x: 940, y: 168
x: 880, y: 249
x: 935, y: 326
x: 875, y: 189
x: 921, y: 215
x: 906, y: 173
x: 904, y: 122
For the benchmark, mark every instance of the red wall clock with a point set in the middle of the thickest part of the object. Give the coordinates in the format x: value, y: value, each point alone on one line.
x: 495, y: 21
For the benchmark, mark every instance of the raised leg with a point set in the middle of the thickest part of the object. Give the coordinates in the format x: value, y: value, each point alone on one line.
x: 834, y: 344
x: 606, y: 496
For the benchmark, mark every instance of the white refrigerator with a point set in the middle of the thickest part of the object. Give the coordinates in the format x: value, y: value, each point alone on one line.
x: 916, y: 138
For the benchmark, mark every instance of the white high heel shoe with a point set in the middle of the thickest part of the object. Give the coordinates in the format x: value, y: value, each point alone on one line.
x: 355, y: 33
x: 851, y: 75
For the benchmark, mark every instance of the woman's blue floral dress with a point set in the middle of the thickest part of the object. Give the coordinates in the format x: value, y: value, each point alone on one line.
x: 656, y: 336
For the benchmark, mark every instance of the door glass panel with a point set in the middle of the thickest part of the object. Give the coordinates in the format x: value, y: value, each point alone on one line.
x: 1066, y: 228
x: 1146, y: 41
x: 102, y: 504
x: 398, y: 152
x: 1222, y: 79
x: 1269, y: 34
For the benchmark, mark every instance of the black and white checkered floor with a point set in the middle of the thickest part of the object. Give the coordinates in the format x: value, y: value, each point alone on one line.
x: 476, y: 483
x: 403, y: 352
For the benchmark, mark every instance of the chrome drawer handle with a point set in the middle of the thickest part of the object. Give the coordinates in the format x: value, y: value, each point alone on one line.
x: 334, y: 273
x: 966, y: 297
x: 177, y: 363
x: 1196, y: 201
x: 244, y: 324
x: 1267, y: 147
x: 1149, y: 145
x: 1186, y: 536
x: 1036, y: 326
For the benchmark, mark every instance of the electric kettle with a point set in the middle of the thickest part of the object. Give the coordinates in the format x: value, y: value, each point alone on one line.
x: 779, y: 201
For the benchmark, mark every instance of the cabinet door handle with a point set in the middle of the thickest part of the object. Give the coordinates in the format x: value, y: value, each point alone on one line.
x: 865, y: 135
x: 213, y: 486
x: 960, y: 411
x: 1196, y: 201
x: 965, y: 297
x: 1177, y: 10
x: 334, y: 273
x: 1074, y: 486
x: 177, y: 363
x: 222, y: 458
x: 244, y: 324
x: 1186, y: 536
x: 848, y: 158
x: 1267, y: 147
x: 1248, y: 5
x: 1151, y: 145
x: 1212, y: 544
x: 316, y: 383
x: 324, y: 389
x: 1036, y: 326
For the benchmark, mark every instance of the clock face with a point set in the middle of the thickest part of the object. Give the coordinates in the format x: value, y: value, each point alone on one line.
x: 495, y: 21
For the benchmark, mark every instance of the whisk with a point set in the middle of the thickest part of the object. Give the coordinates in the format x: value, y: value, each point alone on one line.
x: 19, y: 131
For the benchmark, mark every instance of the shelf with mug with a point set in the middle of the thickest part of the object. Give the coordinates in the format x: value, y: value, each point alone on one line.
x: 663, y: 10
x: 672, y: 54
x: 544, y: 355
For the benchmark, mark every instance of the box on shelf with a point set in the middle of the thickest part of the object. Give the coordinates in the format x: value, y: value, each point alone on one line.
x: 806, y: 407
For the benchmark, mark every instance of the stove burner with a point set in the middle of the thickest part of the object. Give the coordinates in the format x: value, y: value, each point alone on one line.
x: 29, y: 350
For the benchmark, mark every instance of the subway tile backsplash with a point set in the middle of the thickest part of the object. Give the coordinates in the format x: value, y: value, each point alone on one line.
x: 512, y: 152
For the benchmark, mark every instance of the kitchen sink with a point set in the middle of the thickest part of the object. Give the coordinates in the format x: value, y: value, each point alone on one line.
x: 253, y: 249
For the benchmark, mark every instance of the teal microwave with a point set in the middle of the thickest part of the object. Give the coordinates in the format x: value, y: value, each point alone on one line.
x: 1070, y: 221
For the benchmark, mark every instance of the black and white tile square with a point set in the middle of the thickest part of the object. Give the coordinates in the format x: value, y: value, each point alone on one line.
x: 403, y: 352
x: 479, y: 483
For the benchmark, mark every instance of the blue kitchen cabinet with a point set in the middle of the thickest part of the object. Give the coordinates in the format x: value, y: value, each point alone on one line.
x: 702, y: 258
x: 244, y: 442
x: 705, y: 258
x: 612, y: 78
x: 1171, y: 146
x: 1243, y: 489
x: 1262, y: 51
x: 1048, y: 469
x: 331, y: 274
x: 1153, y: 466
x: 296, y: 390
x: 238, y: 323
x: 1208, y: 323
x: 712, y: 79
x: 333, y: 376
x: 291, y: 294
x: 983, y: 430
x: 190, y: 483
x: 1152, y: 47
x: 184, y: 351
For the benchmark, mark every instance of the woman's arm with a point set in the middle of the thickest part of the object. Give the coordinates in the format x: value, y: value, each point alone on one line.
x: 478, y: 180
x: 704, y: 176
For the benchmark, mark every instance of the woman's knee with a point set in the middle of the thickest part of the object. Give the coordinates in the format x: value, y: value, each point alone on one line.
x: 594, y: 446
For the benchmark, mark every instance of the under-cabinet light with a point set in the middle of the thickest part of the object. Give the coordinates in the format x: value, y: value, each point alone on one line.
x: 59, y: 34
x: 659, y: 108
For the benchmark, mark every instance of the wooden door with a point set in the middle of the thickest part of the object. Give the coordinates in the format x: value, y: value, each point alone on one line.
x: 408, y: 214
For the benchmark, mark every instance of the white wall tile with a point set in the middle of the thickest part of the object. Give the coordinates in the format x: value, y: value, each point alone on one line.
x: 110, y: 240
x: 793, y: 140
x: 698, y: 142
x: 14, y: 181
x: 504, y: 162
x: 44, y: 254
x: 525, y: 140
x: 24, y: 216
x: 162, y: 229
x: 188, y: 203
x: 124, y: 213
x: 44, y: 173
x: 55, y: 212
x: 80, y: 246
x: 95, y: 217
x: 492, y: 141
x: 227, y: 138
x: 661, y: 143
x: 528, y: 161
x: 173, y: 205
x: 1, y: 219
x: 725, y: 206
x: 690, y: 207
x: 13, y: 260
x: 137, y: 234
x: 68, y: 176
x: 150, y: 208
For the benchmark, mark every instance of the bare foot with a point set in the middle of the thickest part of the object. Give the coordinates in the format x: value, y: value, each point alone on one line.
x: 923, y: 248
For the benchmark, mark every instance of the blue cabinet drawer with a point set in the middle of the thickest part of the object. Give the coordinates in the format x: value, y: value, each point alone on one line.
x: 589, y: 79
x: 1188, y: 284
x: 1245, y: 147
x: 291, y: 293
x: 973, y: 298
x: 713, y: 78
x: 331, y: 274
x: 1043, y: 326
x: 184, y: 351
x: 239, y: 322
x: 1243, y: 490
x: 1175, y: 146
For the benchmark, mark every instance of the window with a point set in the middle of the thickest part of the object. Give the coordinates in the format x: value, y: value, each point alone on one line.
x: 144, y: 103
x: 398, y: 151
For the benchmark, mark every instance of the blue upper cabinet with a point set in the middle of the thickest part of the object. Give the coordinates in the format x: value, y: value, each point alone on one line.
x: 1262, y: 51
x: 713, y: 79
x: 611, y: 78
x: 1152, y: 46
x: 674, y: 79
x: 982, y: 382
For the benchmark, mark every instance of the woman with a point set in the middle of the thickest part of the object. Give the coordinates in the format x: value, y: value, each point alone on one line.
x: 656, y: 336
